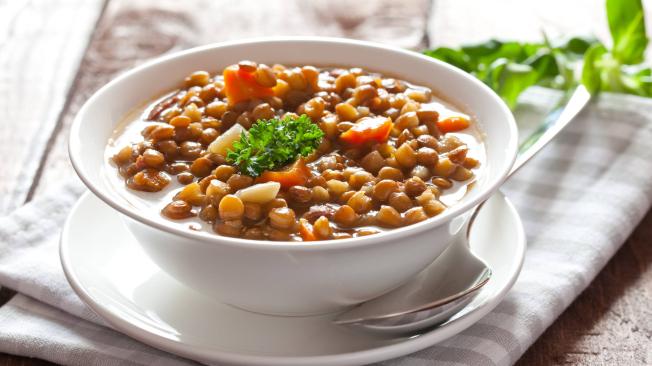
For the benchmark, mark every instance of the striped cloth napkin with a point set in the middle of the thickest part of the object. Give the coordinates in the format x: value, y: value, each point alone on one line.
x: 580, y: 199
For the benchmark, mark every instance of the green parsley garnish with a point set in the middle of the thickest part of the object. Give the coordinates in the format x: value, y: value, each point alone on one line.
x: 274, y: 143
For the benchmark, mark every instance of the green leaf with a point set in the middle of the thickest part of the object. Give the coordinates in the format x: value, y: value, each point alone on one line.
x: 273, y: 143
x: 507, y: 67
x: 454, y: 57
x: 627, y: 26
x: 576, y: 46
x: 510, y: 79
x: 482, y: 55
x: 510, y: 67
x: 638, y: 80
x: 591, y: 71
x: 545, y: 64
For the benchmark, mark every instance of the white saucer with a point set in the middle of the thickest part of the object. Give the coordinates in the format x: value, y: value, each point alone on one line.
x: 109, y: 271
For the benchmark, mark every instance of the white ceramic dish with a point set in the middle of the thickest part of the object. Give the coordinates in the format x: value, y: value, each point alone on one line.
x: 283, y: 277
x: 110, y: 272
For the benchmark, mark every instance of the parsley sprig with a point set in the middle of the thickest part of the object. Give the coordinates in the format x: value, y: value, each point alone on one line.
x: 273, y: 143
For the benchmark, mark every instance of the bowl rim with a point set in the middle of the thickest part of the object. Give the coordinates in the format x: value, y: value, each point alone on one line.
x: 332, y: 244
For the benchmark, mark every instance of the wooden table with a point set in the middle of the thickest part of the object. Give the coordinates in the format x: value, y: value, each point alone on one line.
x: 54, y: 54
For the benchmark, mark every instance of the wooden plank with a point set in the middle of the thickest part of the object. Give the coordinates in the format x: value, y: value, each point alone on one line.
x: 10, y: 360
x: 132, y: 32
x: 40, y: 50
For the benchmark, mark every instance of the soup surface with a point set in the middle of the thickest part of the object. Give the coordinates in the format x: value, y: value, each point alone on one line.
x: 295, y: 153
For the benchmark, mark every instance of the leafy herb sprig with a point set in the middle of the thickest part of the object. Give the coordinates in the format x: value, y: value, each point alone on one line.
x: 510, y: 67
x: 273, y: 143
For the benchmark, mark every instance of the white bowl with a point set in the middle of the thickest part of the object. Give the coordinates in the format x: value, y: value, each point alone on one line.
x: 289, y: 278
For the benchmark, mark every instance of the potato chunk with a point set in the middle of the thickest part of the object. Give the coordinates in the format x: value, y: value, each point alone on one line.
x: 225, y: 141
x: 259, y: 193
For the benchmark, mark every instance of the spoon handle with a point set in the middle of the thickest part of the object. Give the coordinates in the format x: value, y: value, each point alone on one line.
x: 560, y: 117
x: 569, y: 107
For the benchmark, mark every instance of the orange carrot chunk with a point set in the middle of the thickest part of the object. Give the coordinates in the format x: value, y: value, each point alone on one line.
x: 453, y: 124
x: 368, y: 129
x: 306, y: 230
x: 241, y: 85
x: 295, y: 175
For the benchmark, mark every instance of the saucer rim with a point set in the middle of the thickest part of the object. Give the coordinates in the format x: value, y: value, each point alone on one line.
x: 134, y: 330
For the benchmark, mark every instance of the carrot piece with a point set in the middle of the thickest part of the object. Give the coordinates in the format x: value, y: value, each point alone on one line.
x: 306, y: 230
x: 368, y: 129
x: 296, y: 175
x: 453, y: 124
x: 241, y: 85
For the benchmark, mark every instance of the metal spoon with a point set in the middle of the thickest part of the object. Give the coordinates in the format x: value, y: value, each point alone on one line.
x: 454, y: 278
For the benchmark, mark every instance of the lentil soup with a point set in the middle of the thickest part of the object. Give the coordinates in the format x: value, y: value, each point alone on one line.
x: 295, y: 153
